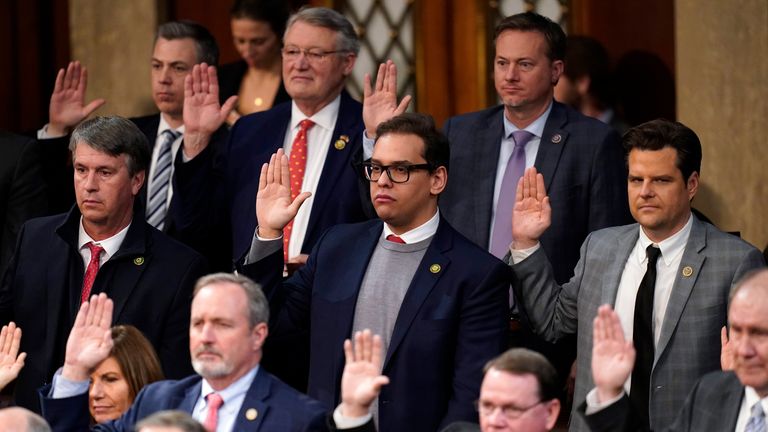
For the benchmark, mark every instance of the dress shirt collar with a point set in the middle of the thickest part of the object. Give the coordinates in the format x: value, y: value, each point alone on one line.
x: 670, y: 247
x: 751, y: 398
x: 325, y: 118
x: 110, y: 245
x: 536, y: 128
x: 236, y: 389
x: 421, y: 232
x: 163, y: 126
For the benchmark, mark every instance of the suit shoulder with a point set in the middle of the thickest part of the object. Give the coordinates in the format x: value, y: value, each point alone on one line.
x: 728, y: 241
x: 291, y: 399
x: 168, y: 246
x: 45, y: 224
x: 464, y: 120
x: 145, y: 120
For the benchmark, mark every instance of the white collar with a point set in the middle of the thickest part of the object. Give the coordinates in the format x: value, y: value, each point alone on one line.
x: 421, y: 232
x: 325, y: 118
x: 163, y: 126
x: 670, y: 247
x: 111, y: 245
x: 238, y: 387
x: 536, y: 127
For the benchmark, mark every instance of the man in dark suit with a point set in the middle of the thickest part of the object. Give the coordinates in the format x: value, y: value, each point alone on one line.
x: 99, y: 246
x: 720, y: 401
x: 322, y: 123
x: 439, y: 301
x: 668, y: 276
x: 179, y: 45
x: 22, y: 193
x: 230, y: 392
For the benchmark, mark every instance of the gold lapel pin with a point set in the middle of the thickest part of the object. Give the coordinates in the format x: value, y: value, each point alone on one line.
x: 138, y: 261
x: 251, y: 414
x: 435, y: 268
x: 687, y: 271
x: 556, y: 138
x: 340, y: 144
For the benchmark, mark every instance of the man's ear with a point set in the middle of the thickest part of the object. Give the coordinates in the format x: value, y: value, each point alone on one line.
x: 439, y: 180
x: 137, y: 182
x: 260, y: 332
x: 692, y: 185
x: 556, y: 70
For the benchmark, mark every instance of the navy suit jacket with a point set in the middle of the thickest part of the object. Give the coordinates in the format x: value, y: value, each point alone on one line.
x: 279, y: 408
x: 150, y: 279
x: 341, y: 196
x: 453, y: 319
x: 584, y: 171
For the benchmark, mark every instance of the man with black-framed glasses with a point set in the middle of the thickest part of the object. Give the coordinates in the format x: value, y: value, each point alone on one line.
x: 438, y: 301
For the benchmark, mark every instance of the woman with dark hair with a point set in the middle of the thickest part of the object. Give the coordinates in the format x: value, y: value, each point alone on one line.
x: 131, y: 365
x: 257, y: 32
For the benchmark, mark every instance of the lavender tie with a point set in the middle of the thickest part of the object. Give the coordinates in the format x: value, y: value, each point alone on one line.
x: 501, y: 236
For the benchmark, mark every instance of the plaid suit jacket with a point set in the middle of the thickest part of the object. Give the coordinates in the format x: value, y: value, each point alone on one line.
x: 689, y: 344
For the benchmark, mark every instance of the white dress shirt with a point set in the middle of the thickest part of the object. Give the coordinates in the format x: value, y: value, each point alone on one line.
x: 747, y: 402
x: 110, y: 245
x: 233, y: 397
x: 421, y: 232
x: 318, y: 141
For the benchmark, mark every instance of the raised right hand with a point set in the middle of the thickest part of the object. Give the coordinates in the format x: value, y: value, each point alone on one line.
x: 613, y: 357
x: 380, y: 102
x: 11, y: 361
x: 90, y: 340
x: 532, y: 214
x: 67, y: 107
x: 202, y: 113
x: 361, y: 380
x: 274, y: 208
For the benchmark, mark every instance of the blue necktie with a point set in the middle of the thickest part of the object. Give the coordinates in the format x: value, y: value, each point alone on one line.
x: 756, y: 421
x: 161, y: 177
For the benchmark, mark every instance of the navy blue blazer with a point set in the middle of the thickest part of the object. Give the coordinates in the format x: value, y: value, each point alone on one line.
x: 233, y: 175
x: 150, y: 280
x: 584, y: 171
x: 453, y: 319
x: 278, y: 407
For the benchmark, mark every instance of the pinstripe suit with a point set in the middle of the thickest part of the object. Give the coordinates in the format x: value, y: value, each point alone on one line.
x: 689, y: 344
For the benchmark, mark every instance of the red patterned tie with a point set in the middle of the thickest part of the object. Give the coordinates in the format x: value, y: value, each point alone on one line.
x: 214, y: 402
x: 296, y: 165
x: 395, y: 239
x: 90, y: 271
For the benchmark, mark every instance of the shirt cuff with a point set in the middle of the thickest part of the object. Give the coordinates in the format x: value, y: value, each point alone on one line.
x: 518, y: 255
x: 367, y: 146
x: 262, y: 247
x: 42, y: 133
x: 593, y: 405
x: 64, y: 388
x: 348, y: 422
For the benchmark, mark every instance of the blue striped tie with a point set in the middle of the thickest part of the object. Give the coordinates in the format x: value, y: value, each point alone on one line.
x: 161, y: 176
x: 756, y: 421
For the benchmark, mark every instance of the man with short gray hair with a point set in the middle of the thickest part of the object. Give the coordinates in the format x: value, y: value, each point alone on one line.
x: 99, y: 246
x: 15, y: 419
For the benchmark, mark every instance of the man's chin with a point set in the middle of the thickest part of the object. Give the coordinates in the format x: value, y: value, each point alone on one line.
x: 208, y: 369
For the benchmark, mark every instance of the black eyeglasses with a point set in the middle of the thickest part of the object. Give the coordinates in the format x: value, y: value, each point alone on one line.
x: 399, y: 173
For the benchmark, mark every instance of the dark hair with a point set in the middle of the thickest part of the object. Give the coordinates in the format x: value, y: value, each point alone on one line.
x: 437, y: 151
x: 258, y: 307
x: 658, y: 134
x: 347, y: 40
x: 520, y: 361
x: 533, y: 22
x: 585, y: 56
x: 114, y: 136
x: 136, y: 357
x: 272, y: 12
x: 205, y: 44
x: 171, y: 418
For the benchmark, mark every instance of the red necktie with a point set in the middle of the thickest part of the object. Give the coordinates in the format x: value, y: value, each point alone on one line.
x: 296, y: 165
x: 214, y: 402
x: 90, y: 271
x: 395, y: 239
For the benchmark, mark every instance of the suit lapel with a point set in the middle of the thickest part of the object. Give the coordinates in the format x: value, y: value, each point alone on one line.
x: 336, y: 160
x: 254, y: 406
x: 553, y: 141
x: 187, y: 402
x: 683, y: 285
x: 126, y: 266
x: 422, y: 284
x: 485, y: 159
x: 612, y: 276
x: 725, y: 419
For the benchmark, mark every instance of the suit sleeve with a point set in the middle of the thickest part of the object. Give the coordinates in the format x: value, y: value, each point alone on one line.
x: 608, y: 203
x: 550, y: 309
x: 482, y: 335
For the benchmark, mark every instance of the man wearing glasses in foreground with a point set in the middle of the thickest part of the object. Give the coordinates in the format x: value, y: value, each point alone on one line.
x: 438, y: 300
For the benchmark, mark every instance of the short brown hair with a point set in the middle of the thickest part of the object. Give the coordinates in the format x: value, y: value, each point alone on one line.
x: 520, y: 361
x: 136, y: 357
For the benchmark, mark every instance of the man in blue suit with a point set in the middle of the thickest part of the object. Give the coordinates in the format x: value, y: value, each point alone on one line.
x: 438, y: 301
x: 321, y: 128
x: 230, y: 393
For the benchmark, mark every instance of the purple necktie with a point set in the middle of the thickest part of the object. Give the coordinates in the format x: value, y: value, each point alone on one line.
x: 501, y: 235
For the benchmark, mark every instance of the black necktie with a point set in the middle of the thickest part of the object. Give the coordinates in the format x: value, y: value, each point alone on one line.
x: 642, y: 335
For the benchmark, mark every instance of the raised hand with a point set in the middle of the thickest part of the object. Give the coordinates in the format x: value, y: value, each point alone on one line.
x: 90, y: 340
x: 726, y: 350
x: 67, y: 107
x: 361, y: 380
x: 613, y: 357
x: 532, y: 214
x: 11, y: 361
x: 274, y: 208
x: 380, y: 103
x: 202, y: 113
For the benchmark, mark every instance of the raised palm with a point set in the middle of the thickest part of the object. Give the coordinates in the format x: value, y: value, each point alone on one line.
x: 361, y: 380
x: 380, y: 102
x: 202, y: 112
x: 90, y: 340
x: 11, y: 361
x: 274, y: 206
x: 67, y: 106
x: 532, y: 214
x: 612, y: 356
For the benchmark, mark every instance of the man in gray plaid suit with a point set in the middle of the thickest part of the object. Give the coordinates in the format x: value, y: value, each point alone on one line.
x: 696, y: 268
